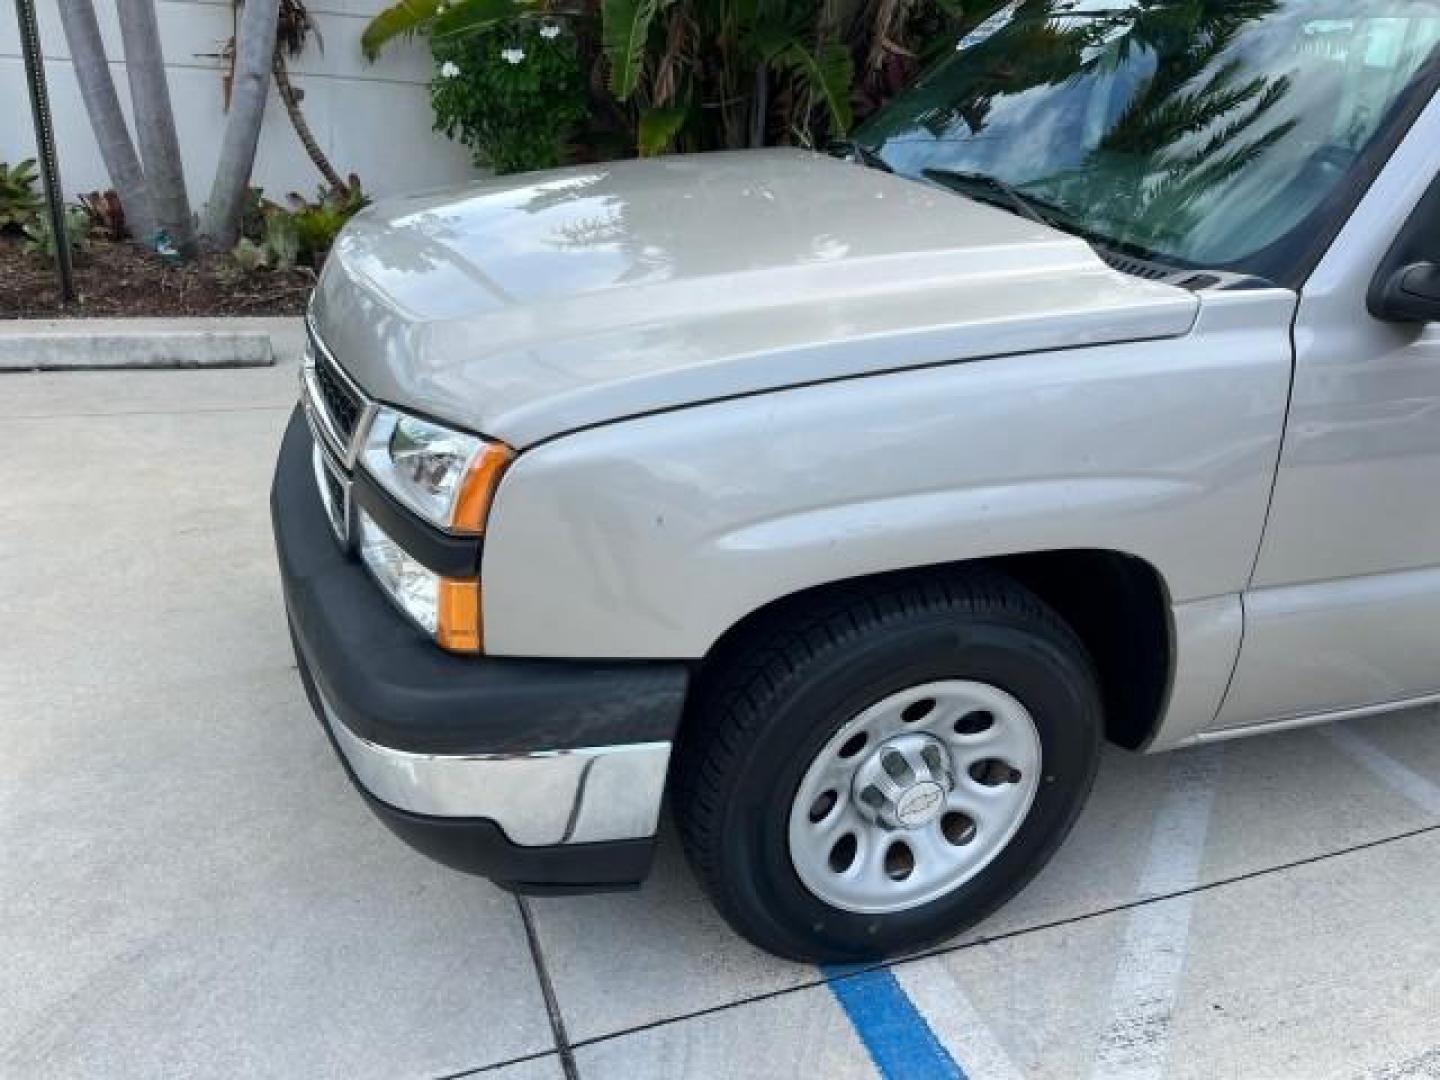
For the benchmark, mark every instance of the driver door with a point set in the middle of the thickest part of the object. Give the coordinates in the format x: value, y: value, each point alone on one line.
x: 1343, y: 610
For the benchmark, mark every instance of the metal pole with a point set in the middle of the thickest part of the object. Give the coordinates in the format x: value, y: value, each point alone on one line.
x: 45, y: 144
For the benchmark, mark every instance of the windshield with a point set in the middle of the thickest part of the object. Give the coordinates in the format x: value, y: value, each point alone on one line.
x: 1193, y: 132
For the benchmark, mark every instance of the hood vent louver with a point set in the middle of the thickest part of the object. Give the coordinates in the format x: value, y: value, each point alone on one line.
x: 1150, y: 271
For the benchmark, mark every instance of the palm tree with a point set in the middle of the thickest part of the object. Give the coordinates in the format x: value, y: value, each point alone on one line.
x: 294, y: 30
x: 254, y: 62
x: 102, y: 106
x: 155, y: 121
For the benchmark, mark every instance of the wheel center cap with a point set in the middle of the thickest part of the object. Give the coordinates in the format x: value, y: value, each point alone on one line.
x: 920, y: 804
x: 904, y: 783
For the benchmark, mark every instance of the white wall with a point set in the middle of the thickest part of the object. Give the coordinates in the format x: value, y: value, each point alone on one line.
x: 371, y: 119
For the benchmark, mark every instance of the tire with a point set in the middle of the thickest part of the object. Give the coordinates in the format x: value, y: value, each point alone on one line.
x: 774, y: 703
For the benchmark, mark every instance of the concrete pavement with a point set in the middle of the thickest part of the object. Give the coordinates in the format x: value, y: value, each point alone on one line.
x: 190, y: 887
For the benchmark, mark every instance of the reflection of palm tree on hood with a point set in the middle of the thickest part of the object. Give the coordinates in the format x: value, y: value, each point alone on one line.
x: 651, y: 230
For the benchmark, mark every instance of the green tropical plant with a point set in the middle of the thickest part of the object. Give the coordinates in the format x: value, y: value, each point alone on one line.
x: 435, y: 17
x: 825, y: 72
x: 316, y: 226
x: 252, y: 220
x: 280, y: 239
x: 402, y: 20
x: 770, y: 70
x: 657, y: 129
x: 247, y: 258
x: 19, y: 201
x: 41, y: 239
x: 626, y: 31
x: 761, y: 72
x: 513, y: 93
x: 303, y: 230
x: 709, y: 74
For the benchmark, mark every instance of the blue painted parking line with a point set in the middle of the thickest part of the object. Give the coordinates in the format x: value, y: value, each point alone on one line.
x: 899, y: 1041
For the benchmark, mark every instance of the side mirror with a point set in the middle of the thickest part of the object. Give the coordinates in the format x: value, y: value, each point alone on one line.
x: 1410, y: 294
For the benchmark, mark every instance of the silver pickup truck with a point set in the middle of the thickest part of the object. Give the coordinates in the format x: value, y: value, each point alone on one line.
x: 848, y: 501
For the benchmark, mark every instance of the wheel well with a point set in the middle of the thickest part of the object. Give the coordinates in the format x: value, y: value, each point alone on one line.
x: 1115, y: 603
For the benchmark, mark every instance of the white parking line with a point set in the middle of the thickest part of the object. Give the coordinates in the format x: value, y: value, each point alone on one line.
x: 943, y: 1003
x: 1135, y: 1044
x: 1420, y: 790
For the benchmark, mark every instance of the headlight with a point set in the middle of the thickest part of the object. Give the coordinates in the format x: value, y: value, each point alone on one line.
x: 446, y: 608
x: 447, y: 477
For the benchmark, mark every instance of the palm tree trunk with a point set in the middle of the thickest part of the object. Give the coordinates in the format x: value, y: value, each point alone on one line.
x: 155, y: 122
x: 102, y: 106
x: 291, y: 98
x: 254, y: 55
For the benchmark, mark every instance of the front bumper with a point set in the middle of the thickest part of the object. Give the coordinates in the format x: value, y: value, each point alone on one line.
x: 538, y: 773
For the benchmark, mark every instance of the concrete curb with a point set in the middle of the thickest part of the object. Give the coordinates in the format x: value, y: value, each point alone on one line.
x: 117, y: 344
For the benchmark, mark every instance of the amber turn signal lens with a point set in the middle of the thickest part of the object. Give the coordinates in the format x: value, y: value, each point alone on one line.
x: 457, y: 626
x: 477, y: 490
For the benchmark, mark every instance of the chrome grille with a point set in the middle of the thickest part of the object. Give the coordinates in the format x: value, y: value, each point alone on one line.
x: 335, y: 490
x: 338, y: 413
x: 338, y: 407
x: 342, y: 405
x: 334, y: 494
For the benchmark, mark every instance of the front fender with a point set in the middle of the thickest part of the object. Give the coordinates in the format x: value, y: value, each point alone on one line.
x: 650, y: 538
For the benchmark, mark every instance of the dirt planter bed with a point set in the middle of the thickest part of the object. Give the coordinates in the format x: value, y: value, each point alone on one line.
x: 121, y: 280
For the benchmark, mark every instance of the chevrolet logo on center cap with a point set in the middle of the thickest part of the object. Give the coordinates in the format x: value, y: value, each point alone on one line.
x: 918, y: 805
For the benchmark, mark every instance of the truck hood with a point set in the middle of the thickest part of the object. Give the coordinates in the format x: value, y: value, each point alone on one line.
x: 528, y: 307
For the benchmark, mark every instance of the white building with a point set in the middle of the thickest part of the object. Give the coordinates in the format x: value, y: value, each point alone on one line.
x: 371, y: 119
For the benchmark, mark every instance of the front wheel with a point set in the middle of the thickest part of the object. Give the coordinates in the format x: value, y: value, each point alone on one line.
x: 878, y: 772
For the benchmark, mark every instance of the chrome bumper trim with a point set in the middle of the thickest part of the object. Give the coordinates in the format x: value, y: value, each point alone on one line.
x: 543, y: 798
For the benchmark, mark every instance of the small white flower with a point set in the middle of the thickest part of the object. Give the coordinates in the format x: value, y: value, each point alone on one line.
x: 449, y: 69
x: 550, y: 31
x: 512, y: 56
